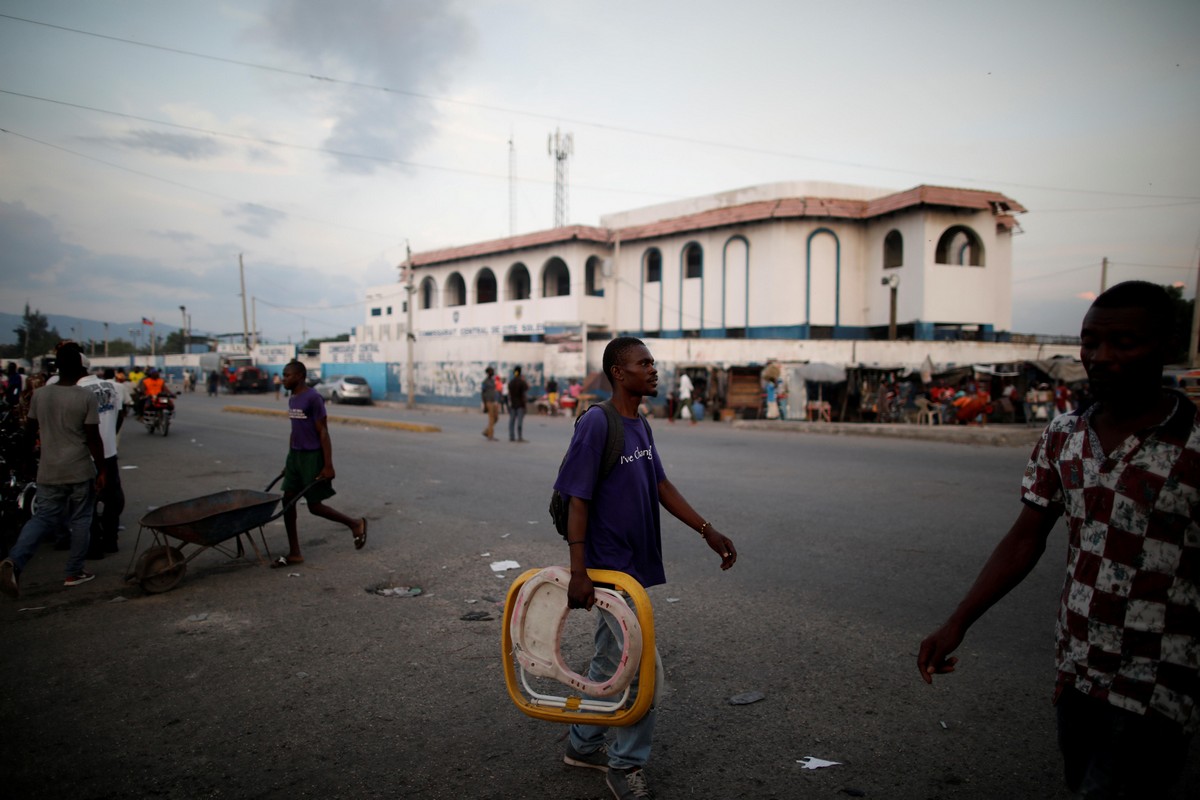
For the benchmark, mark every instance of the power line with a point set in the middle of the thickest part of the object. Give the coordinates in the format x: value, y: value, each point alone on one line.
x: 187, y: 186
x: 589, y: 123
x: 1054, y: 274
x: 1114, y: 208
x: 312, y: 149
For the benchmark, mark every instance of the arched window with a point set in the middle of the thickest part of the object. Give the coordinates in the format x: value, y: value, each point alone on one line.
x: 693, y: 261
x: 893, y: 250
x: 652, y: 265
x: 428, y: 293
x: 593, y: 272
x: 556, y: 278
x: 485, y: 286
x: 517, y: 284
x: 961, y: 247
x: 456, y: 290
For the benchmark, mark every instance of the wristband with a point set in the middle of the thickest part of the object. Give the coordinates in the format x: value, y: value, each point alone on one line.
x: 577, y: 541
x: 703, y: 528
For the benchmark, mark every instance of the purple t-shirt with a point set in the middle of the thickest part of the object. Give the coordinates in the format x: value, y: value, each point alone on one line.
x: 623, y: 532
x: 305, y: 408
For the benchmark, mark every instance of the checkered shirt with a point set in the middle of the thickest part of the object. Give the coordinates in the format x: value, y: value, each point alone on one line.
x: 1128, y: 626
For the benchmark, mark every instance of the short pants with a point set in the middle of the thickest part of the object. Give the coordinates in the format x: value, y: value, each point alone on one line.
x: 301, y: 469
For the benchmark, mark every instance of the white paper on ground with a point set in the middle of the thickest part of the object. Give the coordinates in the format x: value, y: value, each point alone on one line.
x: 812, y: 762
x: 500, y: 566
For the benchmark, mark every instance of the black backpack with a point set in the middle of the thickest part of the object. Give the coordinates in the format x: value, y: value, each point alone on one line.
x: 614, y: 445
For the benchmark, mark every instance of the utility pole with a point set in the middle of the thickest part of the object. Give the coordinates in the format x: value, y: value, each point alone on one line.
x: 183, y: 331
x: 409, y: 336
x: 1193, y: 360
x: 254, y: 319
x: 245, y: 323
x: 1103, y: 274
x: 106, y: 340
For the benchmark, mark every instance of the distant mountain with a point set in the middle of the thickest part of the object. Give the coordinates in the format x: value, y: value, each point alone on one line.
x: 84, y: 329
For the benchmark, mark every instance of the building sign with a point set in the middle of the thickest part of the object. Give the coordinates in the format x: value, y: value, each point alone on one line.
x: 274, y: 353
x: 351, y: 353
x: 523, y: 329
x: 231, y: 349
x: 564, y: 355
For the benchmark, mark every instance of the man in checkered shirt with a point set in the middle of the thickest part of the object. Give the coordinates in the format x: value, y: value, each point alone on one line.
x: 1126, y: 475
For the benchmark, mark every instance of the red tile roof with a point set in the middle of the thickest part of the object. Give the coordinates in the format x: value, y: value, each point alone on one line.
x: 526, y: 241
x: 786, y: 208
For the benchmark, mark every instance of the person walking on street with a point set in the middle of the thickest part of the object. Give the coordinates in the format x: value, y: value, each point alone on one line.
x: 277, y: 382
x: 614, y: 524
x: 309, y: 468
x: 214, y: 381
x: 106, y: 522
x: 1124, y: 474
x: 491, y: 403
x: 70, y: 472
x: 517, y: 389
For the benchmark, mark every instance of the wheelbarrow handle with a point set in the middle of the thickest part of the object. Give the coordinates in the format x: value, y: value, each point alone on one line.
x: 287, y: 506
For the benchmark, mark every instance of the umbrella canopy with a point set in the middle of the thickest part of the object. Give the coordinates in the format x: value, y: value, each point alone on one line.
x: 820, y: 372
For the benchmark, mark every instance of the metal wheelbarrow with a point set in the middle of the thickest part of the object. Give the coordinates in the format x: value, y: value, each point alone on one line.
x: 207, y: 522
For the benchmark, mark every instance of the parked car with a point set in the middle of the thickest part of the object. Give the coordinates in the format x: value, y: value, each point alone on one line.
x: 344, y: 389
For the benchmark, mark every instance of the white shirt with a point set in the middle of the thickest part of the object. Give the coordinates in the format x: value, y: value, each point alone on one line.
x: 110, y: 400
x: 685, y: 387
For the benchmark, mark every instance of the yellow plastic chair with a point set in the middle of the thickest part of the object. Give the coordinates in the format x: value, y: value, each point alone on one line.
x: 535, y: 613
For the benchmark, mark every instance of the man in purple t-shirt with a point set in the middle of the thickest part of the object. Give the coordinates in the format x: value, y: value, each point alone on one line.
x: 615, y: 525
x: 309, y: 464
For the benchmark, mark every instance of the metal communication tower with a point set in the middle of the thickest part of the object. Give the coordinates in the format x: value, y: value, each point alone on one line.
x: 560, y: 147
x: 512, y: 187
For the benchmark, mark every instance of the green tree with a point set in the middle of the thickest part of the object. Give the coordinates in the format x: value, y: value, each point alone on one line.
x: 315, y: 344
x: 35, y: 337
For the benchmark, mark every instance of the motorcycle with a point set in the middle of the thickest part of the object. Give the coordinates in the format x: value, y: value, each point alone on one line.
x: 158, y: 412
x: 18, y: 470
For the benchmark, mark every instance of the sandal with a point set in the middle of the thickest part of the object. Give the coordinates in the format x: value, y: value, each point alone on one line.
x: 360, y: 539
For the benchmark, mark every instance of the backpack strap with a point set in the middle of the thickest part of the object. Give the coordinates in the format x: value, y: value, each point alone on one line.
x: 614, y: 444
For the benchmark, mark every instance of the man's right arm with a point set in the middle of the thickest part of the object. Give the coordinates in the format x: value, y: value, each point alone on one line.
x: 1008, y: 565
x: 580, y: 592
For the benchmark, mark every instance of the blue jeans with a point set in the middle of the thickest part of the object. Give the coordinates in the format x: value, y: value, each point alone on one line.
x: 631, y: 743
x: 516, y: 421
x: 58, y: 505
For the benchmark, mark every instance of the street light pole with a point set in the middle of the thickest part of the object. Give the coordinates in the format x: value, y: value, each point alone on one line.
x: 409, y: 336
x: 183, y: 332
x: 893, y: 283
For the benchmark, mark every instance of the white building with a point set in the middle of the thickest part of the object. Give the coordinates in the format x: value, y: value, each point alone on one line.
x: 789, y: 271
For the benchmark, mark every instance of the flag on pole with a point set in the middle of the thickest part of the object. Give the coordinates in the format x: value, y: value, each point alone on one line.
x: 146, y: 321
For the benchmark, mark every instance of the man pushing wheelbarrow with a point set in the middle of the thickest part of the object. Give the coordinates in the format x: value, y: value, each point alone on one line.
x: 309, y: 460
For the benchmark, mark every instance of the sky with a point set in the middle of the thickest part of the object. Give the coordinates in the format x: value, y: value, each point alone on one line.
x: 147, y: 145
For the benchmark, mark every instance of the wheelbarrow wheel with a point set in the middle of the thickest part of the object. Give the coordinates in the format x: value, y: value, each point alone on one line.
x: 160, y: 569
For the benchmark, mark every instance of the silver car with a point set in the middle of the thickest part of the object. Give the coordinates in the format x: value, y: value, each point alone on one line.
x: 344, y: 389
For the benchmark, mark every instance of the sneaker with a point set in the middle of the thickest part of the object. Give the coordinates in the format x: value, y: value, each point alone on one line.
x: 597, y: 759
x: 75, y: 580
x: 629, y: 784
x: 8, y: 578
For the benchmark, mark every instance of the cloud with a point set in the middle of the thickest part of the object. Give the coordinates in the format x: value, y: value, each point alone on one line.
x: 178, y: 237
x: 256, y: 220
x: 180, y: 145
x: 411, y: 46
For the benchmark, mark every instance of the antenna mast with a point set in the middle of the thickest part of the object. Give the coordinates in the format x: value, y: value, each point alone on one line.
x: 561, y: 147
x: 512, y: 187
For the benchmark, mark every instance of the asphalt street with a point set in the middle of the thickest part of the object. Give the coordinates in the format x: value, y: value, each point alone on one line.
x: 245, y: 681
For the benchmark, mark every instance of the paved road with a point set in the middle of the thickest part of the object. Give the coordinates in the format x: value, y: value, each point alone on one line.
x: 248, y: 682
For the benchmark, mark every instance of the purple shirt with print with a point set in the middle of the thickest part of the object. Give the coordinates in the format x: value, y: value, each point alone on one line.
x: 623, y: 532
x: 305, y: 408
